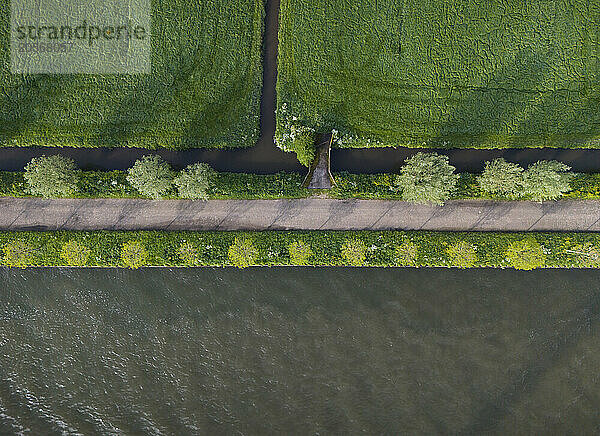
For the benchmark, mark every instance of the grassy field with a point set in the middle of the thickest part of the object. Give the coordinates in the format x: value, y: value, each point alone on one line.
x: 442, y: 73
x: 204, y: 89
x: 430, y: 249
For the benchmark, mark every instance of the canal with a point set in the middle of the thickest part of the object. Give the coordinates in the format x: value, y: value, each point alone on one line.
x: 299, y: 351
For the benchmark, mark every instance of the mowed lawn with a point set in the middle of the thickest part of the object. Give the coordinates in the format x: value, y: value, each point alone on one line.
x: 444, y: 73
x: 204, y: 90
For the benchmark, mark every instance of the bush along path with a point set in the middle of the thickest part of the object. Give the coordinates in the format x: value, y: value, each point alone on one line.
x: 243, y: 249
x: 424, y: 178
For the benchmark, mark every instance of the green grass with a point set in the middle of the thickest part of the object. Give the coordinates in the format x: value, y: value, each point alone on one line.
x: 442, y: 73
x: 561, y: 250
x: 204, y: 89
x: 113, y: 184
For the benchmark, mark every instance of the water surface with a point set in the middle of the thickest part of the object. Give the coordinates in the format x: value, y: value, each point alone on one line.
x: 299, y: 351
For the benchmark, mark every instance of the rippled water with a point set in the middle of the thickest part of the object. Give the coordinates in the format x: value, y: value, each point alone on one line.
x: 299, y: 351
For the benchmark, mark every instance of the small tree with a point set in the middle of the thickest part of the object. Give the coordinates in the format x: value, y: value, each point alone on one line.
x: 526, y: 254
x: 354, y: 252
x: 501, y: 177
x: 51, y: 176
x: 18, y: 254
x: 462, y: 254
x: 427, y: 178
x: 300, y: 252
x: 195, y: 181
x: 293, y: 136
x: 151, y: 176
x: 546, y: 180
x: 304, y: 146
x: 188, y: 254
x: 134, y: 254
x: 74, y: 253
x: 406, y: 254
x: 242, y: 253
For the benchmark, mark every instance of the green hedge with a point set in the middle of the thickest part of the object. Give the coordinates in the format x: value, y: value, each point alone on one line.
x: 431, y: 249
x: 379, y: 186
x: 113, y: 184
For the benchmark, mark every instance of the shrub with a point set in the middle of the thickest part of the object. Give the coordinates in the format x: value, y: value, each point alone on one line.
x: 526, y: 254
x: 462, y: 254
x: 354, y: 252
x: 51, y: 176
x: 300, y: 252
x: 304, y: 146
x: 427, y: 178
x: 587, y: 255
x: 188, y: 254
x: 151, y: 176
x: 134, y: 254
x: 18, y: 254
x: 501, y: 177
x: 242, y: 253
x: 194, y: 182
x: 74, y: 253
x: 546, y: 180
x: 406, y: 254
x: 292, y: 136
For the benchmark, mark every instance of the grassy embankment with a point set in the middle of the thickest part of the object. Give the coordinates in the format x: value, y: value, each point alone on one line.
x: 204, y: 89
x: 114, y: 184
x: 324, y: 248
x: 442, y: 73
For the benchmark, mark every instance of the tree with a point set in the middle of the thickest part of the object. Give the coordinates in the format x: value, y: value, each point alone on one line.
x: 75, y: 253
x: 51, y: 176
x: 354, y: 252
x: 501, y: 177
x: 195, y: 181
x: 406, y: 254
x: 546, y: 180
x: 134, y: 254
x: 300, y: 252
x: 242, y: 253
x: 188, y: 254
x: 151, y: 176
x: 304, y: 146
x: 18, y: 254
x: 526, y: 254
x: 462, y: 254
x: 427, y: 178
x: 293, y: 136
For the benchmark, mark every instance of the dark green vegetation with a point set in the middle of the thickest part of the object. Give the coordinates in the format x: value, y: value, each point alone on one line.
x: 203, y: 91
x: 319, y: 248
x: 424, y: 178
x: 384, y: 187
x: 113, y: 184
x: 442, y: 73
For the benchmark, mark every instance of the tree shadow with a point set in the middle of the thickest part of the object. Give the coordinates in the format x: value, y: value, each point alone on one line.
x: 499, y: 114
x: 140, y: 106
x: 25, y: 102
